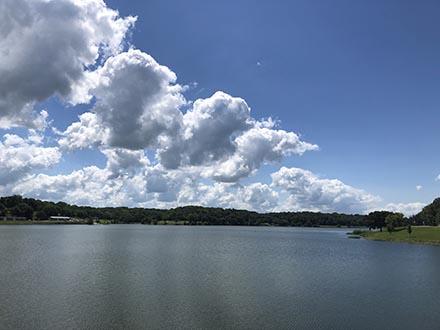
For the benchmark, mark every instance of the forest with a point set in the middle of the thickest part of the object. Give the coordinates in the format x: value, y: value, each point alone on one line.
x: 36, y: 210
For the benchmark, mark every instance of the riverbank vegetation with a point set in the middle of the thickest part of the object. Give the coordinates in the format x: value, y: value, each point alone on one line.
x: 416, y: 234
x: 38, y: 211
x: 46, y: 222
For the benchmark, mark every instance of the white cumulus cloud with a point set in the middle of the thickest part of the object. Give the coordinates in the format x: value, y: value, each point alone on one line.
x: 86, y: 133
x: 200, y: 151
x: 138, y: 106
x: 46, y: 48
x: 407, y: 209
x: 307, y: 191
x: 20, y: 156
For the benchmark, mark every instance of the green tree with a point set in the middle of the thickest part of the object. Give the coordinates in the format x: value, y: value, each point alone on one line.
x: 2, y: 209
x: 390, y: 224
x: 51, y: 209
x: 23, y: 210
x: 392, y: 220
x: 430, y: 215
x: 376, y: 219
x: 193, y: 215
x: 41, y: 215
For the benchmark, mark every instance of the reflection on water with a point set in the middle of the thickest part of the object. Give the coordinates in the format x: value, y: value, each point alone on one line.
x: 134, y: 276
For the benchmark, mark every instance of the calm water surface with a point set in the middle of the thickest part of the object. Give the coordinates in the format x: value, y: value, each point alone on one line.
x: 136, y: 277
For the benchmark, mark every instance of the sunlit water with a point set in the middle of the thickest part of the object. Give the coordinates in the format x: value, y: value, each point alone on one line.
x: 136, y: 277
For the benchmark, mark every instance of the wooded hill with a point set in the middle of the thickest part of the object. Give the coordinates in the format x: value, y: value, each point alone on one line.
x: 34, y: 209
x: 429, y: 216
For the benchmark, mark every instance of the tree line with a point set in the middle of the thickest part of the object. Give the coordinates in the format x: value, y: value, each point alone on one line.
x: 34, y: 209
x: 429, y: 216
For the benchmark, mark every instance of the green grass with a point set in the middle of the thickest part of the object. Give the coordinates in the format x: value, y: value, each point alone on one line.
x: 419, y: 235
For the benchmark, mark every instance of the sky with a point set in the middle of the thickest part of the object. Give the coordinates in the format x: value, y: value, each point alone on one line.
x: 260, y: 105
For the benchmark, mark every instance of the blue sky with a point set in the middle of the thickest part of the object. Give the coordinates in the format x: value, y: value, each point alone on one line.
x: 358, y: 78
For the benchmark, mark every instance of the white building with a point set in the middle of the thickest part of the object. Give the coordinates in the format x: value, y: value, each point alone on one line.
x: 58, y: 218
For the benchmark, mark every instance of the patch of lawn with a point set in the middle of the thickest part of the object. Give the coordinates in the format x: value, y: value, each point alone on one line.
x: 421, y: 235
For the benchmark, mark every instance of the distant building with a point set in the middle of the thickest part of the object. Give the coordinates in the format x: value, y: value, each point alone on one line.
x: 59, y: 218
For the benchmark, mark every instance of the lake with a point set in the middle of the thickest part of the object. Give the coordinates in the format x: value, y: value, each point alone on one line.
x: 137, y: 277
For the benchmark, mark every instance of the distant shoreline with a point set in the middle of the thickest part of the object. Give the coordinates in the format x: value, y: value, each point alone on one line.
x: 17, y: 208
x: 42, y: 222
x: 169, y: 223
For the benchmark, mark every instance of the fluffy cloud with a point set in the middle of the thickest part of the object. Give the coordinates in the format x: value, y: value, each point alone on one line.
x: 19, y: 157
x: 306, y: 191
x: 219, y: 135
x: 87, y: 186
x: 74, y: 49
x: 137, y: 100
x: 257, y: 196
x: 125, y: 162
x: 130, y: 179
x: 257, y: 146
x: 208, y: 131
x: 138, y: 106
x: 260, y: 197
x: 86, y: 133
x: 46, y: 48
x: 121, y: 182
x: 407, y: 209
x: 127, y: 179
x: 146, y: 186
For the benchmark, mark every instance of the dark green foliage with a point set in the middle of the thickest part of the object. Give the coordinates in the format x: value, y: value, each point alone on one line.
x: 356, y: 232
x: 41, y: 215
x: 196, y: 215
x: 22, y: 210
x: 376, y: 219
x: 390, y: 226
x: 429, y: 216
x: 189, y: 215
x: 394, y: 220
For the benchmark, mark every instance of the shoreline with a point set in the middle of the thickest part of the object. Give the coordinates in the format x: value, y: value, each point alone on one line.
x: 422, y: 235
x: 42, y: 222
x: 173, y: 223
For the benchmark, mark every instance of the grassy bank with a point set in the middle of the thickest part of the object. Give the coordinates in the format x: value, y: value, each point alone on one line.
x: 419, y: 235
